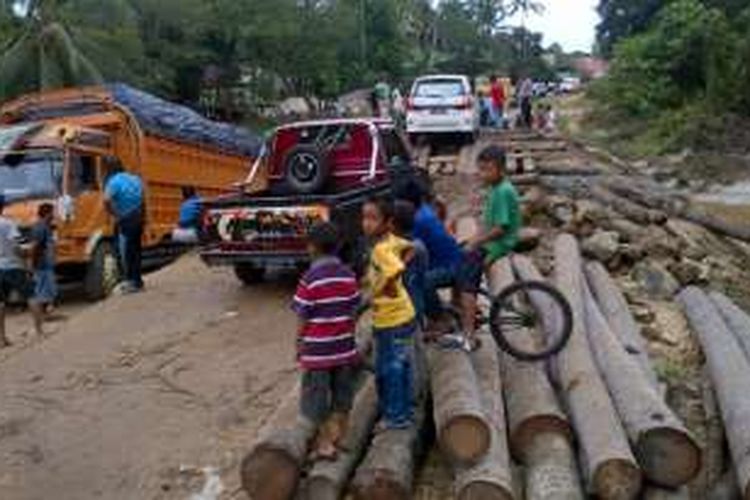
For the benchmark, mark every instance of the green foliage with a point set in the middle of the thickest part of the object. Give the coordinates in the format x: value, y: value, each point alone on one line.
x: 692, y: 63
x: 233, y: 54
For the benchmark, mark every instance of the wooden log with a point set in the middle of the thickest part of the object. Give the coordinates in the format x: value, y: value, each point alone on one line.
x: 654, y: 493
x: 667, y: 453
x: 530, y: 400
x: 491, y: 477
x: 617, y: 313
x: 627, y: 208
x: 718, y: 226
x: 327, y: 480
x: 540, y: 434
x: 387, y: 470
x: 736, y: 319
x: 725, y: 488
x: 462, y: 428
x: 608, y: 463
x: 271, y: 470
x: 645, y: 192
x: 713, y: 461
x: 730, y: 372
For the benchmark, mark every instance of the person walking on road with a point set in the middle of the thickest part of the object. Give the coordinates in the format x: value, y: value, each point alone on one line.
x: 497, y: 94
x: 382, y: 93
x: 43, y: 259
x: 525, y: 95
x: 123, y: 198
x: 14, y: 277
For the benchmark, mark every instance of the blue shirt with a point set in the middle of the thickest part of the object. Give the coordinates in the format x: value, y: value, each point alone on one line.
x: 125, y: 192
x: 443, y: 248
x: 190, y: 213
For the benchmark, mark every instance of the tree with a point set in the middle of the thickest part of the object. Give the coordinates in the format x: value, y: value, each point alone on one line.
x: 44, y: 55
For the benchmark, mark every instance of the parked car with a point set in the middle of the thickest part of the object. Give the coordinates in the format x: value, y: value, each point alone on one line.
x: 442, y: 104
x: 349, y: 161
x: 570, y: 84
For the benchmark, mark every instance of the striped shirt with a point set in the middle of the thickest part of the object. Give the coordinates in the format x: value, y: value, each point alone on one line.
x: 326, y: 302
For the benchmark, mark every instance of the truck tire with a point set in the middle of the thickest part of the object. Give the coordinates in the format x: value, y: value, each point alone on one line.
x: 102, y: 272
x: 305, y: 169
x: 249, y: 274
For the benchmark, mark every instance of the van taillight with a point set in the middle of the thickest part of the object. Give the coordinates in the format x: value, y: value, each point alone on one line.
x: 465, y: 103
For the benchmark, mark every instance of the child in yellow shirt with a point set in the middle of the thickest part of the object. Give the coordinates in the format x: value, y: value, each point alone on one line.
x: 393, y: 315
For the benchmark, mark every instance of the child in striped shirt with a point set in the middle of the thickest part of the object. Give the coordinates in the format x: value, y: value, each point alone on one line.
x: 326, y: 303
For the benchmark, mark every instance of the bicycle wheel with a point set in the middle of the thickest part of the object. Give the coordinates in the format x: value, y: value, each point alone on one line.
x: 518, y: 327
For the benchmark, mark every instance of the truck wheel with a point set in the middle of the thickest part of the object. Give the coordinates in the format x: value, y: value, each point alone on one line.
x: 305, y: 169
x: 102, y: 272
x: 249, y: 274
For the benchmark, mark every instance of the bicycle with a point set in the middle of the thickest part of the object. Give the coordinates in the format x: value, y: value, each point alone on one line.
x: 513, y: 314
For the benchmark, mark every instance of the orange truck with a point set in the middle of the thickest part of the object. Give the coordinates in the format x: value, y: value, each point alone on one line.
x: 54, y: 146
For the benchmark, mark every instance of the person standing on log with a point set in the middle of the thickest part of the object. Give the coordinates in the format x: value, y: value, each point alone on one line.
x: 393, y: 315
x: 326, y: 302
x: 416, y: 268
x: 501, y: 218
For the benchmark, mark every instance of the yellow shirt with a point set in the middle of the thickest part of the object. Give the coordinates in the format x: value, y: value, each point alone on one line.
x: 391, y: 304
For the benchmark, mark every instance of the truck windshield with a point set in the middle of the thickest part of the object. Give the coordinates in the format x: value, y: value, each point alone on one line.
x: 31, y: 175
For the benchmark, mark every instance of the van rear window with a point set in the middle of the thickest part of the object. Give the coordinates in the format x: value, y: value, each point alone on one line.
x: 440, y: 88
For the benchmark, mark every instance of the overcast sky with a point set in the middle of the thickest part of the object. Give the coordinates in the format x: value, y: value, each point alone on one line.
x: 571, y: 23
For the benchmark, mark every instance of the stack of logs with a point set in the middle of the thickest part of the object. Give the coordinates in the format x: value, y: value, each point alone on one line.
x: 593, y: 421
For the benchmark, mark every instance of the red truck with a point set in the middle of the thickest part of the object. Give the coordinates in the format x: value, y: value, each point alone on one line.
x: 316, y: 170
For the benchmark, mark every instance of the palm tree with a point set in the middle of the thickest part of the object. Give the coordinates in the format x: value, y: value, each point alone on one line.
x: 44, y: 56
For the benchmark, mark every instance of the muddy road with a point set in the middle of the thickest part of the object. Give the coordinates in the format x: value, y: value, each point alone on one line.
x: 145, y: 396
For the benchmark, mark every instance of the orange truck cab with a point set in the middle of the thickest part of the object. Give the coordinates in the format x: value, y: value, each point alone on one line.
x: 53, y: 147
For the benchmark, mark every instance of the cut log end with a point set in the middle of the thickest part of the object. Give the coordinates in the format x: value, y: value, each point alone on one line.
x: 521, y: 438
x: 269, y: 474
x: 465, y: 438
x: 617, y: 480
x: 381, y: 487
x: 669, y: 457
x: 484, y: 491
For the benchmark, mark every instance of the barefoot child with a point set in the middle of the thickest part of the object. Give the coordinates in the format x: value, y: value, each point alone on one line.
x: 13, y: 274
x: 392, y: 315
x: 326, y: 303
x: 43, y: 259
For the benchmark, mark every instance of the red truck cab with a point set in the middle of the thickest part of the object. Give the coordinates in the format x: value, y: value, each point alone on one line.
x: 317, y: 170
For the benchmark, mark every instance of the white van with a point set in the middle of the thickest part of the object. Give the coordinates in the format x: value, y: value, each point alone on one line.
x: 441, y: 104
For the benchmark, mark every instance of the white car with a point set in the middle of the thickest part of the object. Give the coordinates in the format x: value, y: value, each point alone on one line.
x: 442, y: 104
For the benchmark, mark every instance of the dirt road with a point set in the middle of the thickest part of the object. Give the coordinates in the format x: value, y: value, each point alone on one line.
x: 133, y: 397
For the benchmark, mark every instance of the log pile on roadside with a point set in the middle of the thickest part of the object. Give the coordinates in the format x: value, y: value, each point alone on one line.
x: 596, y: 420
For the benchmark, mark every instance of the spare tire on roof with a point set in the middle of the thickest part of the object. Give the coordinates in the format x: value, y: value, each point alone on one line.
x: 306, y: 169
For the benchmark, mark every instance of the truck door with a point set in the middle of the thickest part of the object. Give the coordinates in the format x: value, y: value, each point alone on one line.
x: 84, y: 188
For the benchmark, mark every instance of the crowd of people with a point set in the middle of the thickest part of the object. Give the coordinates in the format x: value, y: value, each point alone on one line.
x: 412, y: 256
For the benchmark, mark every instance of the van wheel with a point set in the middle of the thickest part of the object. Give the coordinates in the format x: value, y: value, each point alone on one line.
x: 249, y: 274
x: 305, y: 169
x: 102, y: 272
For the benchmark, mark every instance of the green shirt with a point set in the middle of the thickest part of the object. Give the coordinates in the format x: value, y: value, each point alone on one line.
x: 502, y: 209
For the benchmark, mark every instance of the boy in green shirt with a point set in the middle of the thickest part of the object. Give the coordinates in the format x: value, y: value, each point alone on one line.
x: 502, y: 212
x: 501, y: 224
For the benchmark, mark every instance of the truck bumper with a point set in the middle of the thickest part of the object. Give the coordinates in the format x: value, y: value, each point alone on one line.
x: 222, y: 257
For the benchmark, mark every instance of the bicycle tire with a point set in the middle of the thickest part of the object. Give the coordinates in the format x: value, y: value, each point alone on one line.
x: 552, y: 294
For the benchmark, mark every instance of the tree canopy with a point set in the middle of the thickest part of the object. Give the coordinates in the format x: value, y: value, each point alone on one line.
x: 257, y: 49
